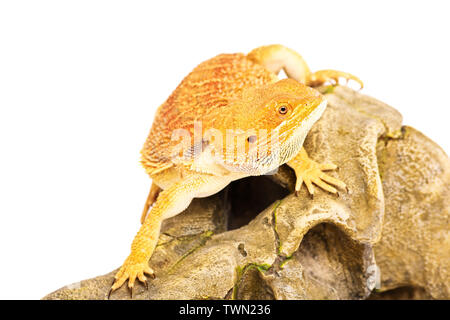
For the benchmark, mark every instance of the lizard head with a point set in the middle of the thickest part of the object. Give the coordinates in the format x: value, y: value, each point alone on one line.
x: 273, y: 121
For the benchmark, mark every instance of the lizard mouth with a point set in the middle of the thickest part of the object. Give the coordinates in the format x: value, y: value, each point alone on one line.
x: 302, y: 123
x: 283, y: 143
x: 291, y: 141
x: 298, y: 125
x: 310, y: 111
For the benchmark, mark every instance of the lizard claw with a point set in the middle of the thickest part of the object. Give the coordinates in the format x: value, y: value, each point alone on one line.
x: 320, y: 77
x: 130, y: 290
x: 131, y: 270
x: 110, y: 289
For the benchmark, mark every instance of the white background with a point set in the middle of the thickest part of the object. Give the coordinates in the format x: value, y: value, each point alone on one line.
x: 80, y: 82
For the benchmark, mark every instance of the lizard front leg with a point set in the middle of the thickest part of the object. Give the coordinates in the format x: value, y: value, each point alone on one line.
x: 151, y: 199
x: 169, y: 203
x: 276, y: 57
x: 309, y: 172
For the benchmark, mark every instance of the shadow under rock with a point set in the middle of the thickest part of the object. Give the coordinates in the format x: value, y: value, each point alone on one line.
x: 250, y: 196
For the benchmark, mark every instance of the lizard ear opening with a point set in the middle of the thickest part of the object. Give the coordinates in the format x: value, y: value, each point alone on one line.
x: 252, y: 139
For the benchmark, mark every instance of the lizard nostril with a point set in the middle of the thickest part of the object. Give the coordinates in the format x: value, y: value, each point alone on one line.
x: 252, y: 139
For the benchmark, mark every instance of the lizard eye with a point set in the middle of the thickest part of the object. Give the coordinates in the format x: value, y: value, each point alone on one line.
x: 283, y: 109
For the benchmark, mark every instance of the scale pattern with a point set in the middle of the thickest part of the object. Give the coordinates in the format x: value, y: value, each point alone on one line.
x: 203, y: 95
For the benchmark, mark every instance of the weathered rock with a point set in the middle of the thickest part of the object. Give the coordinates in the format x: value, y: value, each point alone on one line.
x: 401, y: 293
x: 393, y: 219
x: 414, y: 249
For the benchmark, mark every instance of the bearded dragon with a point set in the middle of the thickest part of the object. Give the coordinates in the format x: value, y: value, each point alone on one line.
x: 230, y: 92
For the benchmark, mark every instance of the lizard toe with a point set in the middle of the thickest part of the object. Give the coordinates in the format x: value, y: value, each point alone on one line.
x: 320, y: 77
x: 131, y: 271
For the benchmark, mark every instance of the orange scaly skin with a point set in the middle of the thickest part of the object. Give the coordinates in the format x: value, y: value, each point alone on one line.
x: 229, y: 91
